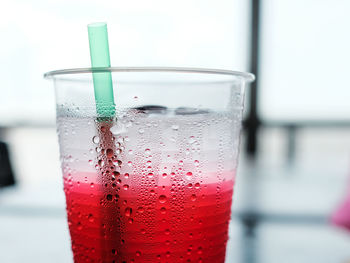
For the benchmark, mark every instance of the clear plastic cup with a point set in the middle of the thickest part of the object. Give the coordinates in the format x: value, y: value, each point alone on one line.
x: 154, y: 183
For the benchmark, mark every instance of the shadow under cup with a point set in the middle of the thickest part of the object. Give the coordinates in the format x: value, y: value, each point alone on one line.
x: 155, y: 182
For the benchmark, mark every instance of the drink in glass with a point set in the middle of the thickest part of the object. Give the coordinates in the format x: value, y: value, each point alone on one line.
x: 155, y: 183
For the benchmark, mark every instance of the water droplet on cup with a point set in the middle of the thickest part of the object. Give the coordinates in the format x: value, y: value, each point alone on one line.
x: 193, y: 197
x: 128, y: 211
x: 192, y: 140
x: 109, y: 153
x: 162, y: 199
x: 147, y: 152
x: 91, y: 218
x: 189, y: 175
x: 96, y: 139
x: 163, y: 210
x: 175, y: 127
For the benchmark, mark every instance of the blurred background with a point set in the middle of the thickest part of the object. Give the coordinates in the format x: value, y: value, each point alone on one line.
x: 295, y: 158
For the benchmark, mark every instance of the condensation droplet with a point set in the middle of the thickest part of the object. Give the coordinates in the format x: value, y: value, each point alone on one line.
x: 200, y: 250
x: 189, y: 175
x: 193, y: 197
x: 147, y: 152
x: 128, y: 211
x: 96, y: 139
x: 100, y: 163
x: 191, y: 140
x: 126, y: 187
x: 91, y: 218
x: 109, y: 153
x: 162, y: 199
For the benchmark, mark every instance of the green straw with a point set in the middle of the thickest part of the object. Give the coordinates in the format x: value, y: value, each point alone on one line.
x: 103, y: 86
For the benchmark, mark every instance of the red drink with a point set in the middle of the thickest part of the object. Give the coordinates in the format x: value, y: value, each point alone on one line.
x: 149, y: 188
x: 154, y: 182
x: 119, y: 221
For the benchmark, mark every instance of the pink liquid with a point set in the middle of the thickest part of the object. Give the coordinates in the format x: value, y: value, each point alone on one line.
x: 117, y: 222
